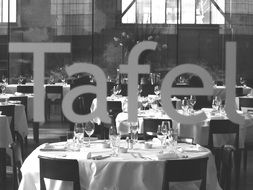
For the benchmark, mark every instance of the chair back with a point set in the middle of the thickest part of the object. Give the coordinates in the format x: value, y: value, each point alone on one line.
x: 225, y: 170
x: 124, y: 90
x: 185, y: 170
x: 238, y: 91
x: 246, y: 102
x: 54, y: 89
x: 147, y: 89
x: 223, y: 127
x: 22, y: 99
x: 2, y: 166
x: 25, y: 89
x: 9, y: 110
x: 17, y: 162
x: 151, y: 125
x: 110, y: 86
x: 59, y: 169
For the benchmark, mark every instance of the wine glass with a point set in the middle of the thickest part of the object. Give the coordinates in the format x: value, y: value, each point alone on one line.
x: 139, y: 90
x: 78, y: 133
x: 51, y: 79
x: 20, y: 79
x: 157, y: 90
x: 3, y: 88
x: 192, y: 102
x: 4, y: 79
x: 89, y: 130
x: 31, y: 79
x: 165, y: 128
x: 145, y: 103
x: 216, y: 103
x: 242, y: 81
x: 185, y: 104
x: 63, y: 79
x: 118, y: 89
x: 160, y: 135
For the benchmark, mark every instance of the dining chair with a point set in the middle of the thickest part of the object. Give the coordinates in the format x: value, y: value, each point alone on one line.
x: 56, y: 90
x: 25, y: 89
x: 238, y: 91
x: 17, y: 161
x: 226, y: 166
x: 248, y: 145
x: 185, y: 170
x: 146, y: 89
x: 150, y: 127
x: 59, y: 169
x: 225, y: 127
x: 187, y: 140
x: 2, y: 167
x: 110, y: 86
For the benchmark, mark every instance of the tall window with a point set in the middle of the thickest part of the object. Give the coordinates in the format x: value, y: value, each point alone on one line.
x: 8, y: 11
x: 72, y: 17
x: 167, y: 11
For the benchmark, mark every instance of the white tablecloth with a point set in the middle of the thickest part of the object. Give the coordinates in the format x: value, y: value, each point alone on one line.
x: 221, y: 91
x: 5, y: 133
x: 124, y: 172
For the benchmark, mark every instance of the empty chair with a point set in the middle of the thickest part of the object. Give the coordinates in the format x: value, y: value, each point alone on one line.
x: 25, y: 89
x: 185, y: 170
x: 17, y: 162
x: 146, y: 89
x: 238, y: 91
x: 225, y: 170
x: 2, y: 167
x: 150, y: 127
x: 110, y: 86
x: 246, y: 103
x: 56, y: 91
x: 59, y: 169
x: 225, y: 127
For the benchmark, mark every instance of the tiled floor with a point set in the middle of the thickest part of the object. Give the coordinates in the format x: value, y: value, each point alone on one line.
x: 51, y: 132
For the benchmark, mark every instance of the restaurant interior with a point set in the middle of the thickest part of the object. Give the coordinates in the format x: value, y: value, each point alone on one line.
x: 190, y: 131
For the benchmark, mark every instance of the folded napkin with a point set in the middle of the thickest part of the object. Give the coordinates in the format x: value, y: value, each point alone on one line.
x: 167, y: 156
x: 19, y: 94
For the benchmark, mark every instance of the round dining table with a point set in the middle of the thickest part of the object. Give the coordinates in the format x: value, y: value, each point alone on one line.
x: 138, y: 168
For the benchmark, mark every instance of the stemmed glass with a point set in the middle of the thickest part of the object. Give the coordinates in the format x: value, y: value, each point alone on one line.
x: 3, y: 87
x: 20, y: 79
x: 242, y: 81
x: 139, y: 90
x: 78, y: 133
x: 89, y: 130
x: 157, y: 90
x: 4, y: 79
x: 192, y: 102
x: 63, y: 79
x: 51, y: 79
x: 216, y: 103
x: 185, y: 104
x: 116, y: 90
x: 145, y: 103
x: 31, y: 78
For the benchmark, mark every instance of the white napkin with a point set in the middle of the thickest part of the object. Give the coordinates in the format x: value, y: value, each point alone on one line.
x: 167, y: 156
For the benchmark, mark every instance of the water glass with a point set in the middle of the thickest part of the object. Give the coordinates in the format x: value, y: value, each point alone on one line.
x: 115, y: 142
x: 78, y: 133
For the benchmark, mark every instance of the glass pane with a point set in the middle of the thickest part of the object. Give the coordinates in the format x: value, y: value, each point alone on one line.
x: 143, y: 11
x: 130, y: 16
x: 158, y: 11
x: 171, y: 12
x: 203, y: 11
x: 188, y: 11
x: 217, y: 17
